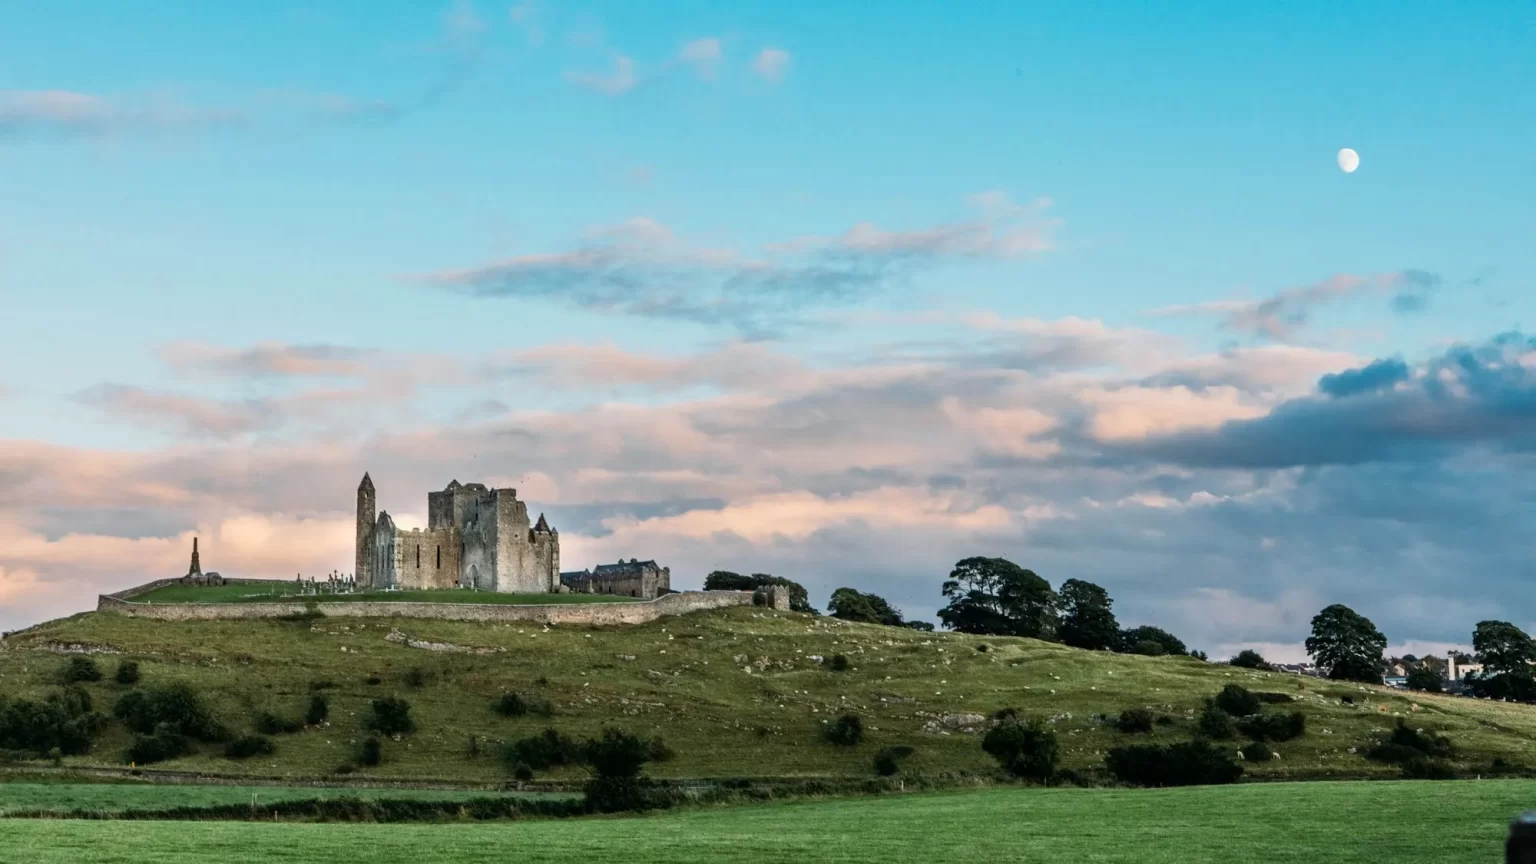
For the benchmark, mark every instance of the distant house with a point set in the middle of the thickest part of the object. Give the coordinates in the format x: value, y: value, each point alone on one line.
x: 632, y: 578
x: 1459, y: 671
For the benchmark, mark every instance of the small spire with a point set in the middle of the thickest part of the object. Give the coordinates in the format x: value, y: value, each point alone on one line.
x: 542, y: 525
x: 367, y: 482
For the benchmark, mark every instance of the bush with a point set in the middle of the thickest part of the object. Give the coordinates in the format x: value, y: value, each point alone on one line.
x: 164, y: 743
x: 1195, y: 763
x: 846, y: 731
x: 1237, y: 701
x: 1148, y: 648
x: 247, y: 746
x: 616, y: 759
x: 1274, y: 727
x: 660, y: 751
x: 127, y: 672
x: 1023, y: 748
x: 1134, y: 720
x: 1405, y: 745
x: 1257, y: 751
x: 1274, y: 698
x: 838, y: 663
x: 371, y: 753
x: 319, y: 710
x: 415, y: 678
x: 1421, y: 768
x: 268, y: 723
x: 79, y: 669
x: 392, y: 716
x: 511, y: 705
x: 1425, y: 679
x: 1250, y: 659
x: 1215, y: 723
x: 982, y: 648
x: 63, y: 721
x: 317, y: 686
x: 887, y: 761
x: 175, y: 705
x: 543, y: 751
x: 373, y: 680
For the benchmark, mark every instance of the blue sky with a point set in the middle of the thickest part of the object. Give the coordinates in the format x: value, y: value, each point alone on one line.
x: 463, y: 201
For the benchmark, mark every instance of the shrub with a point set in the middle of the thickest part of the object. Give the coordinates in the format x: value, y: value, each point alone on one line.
x: 1023, y: 748
x: 1215, y: 723
x: 268, y: 723
x: 317, y: 686
x: 1274, y: 727
x: 1275, y: 698
x: 175, y: 705
x: 79, y: 669
x: 373, y: 680
x: 319, y: 710
x: 1257, y: 751
x: 1421, y: 768
x: 165, y: 742
x: 1164, y: 720
x: 511, y: 705
x: 1237, y: 701
x: 1195, y: 763
x: 127, y: 672
x: 543, y: 751
x: 887, y: 761
x: 415, y: 678
x: 392, y: 716
x: 63, y: 721
x: 1250, y: 659
x: 521, y: 772
x: 1426, y: 679
x: 982, y: 648
x: 1405, y: 745
x: 660, y: 751
x: 838, y: 663
x: 1134, y: 720
x: 371, y: 753
x: 247, y: 746
x: 846, y: 731
x: 616, y: 759
x: 1148, y: 648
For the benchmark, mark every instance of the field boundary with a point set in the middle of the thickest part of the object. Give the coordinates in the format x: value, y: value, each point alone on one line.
x: 636, y: 612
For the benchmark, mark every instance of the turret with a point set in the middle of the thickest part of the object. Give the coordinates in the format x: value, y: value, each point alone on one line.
x: 366, y: 503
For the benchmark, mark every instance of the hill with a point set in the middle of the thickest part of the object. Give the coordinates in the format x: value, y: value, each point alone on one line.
x: 733, y: 692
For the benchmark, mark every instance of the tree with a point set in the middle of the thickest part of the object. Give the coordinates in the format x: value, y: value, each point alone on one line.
x: 1347, y: 645
x: 1425, y: 678
x: 725, y: 580
x: 1152, y: 641
x: 850, y: 605
x: 1503, y: 648
x: 1086, y: 619
x: 921, y: 626
x: 996, y: 597
x: 1251, y: 659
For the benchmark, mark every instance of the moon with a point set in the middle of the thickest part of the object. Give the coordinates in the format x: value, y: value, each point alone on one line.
x: 1349, y: 160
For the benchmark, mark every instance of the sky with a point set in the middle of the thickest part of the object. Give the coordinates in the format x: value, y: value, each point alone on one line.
x: 785, y: 288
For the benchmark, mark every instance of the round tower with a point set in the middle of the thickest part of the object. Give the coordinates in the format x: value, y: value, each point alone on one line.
x: 365, y: 520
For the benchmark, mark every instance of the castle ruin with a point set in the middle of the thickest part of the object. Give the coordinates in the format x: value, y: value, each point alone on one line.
x: 475, y: 538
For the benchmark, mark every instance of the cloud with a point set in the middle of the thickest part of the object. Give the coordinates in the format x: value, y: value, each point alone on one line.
x: 1284, y: 314
x: 526, y: 15
x: 771, y: 64
x: 620, y: 80
x: 704, y: 55
x: 643, y: 268
x: 266, y: 360
x: 51, y: 114
x: 1205, y: 491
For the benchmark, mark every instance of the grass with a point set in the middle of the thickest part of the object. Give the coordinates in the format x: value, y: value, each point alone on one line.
x: 114, y: 797
x: 283, y: 591
x: 1389, y: 823
x: 734, y: 692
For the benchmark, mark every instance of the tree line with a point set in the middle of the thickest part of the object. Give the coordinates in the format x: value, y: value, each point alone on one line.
x: 990, y: 597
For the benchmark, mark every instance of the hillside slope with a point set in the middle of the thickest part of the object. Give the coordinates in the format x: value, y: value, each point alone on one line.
x: 734, y: 692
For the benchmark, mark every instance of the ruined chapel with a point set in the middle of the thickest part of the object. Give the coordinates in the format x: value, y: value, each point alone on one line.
x: 475, y: 538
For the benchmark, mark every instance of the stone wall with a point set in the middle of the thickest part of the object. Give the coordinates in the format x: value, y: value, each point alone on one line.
x: 638, y: 612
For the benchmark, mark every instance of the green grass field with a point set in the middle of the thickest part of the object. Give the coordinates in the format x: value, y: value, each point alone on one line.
x: 734, y: 692
x: 1304, y: 823
x: 288, y: 591
x: 114, y: 797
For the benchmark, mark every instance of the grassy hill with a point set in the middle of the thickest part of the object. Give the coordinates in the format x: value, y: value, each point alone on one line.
x: 734, y: 692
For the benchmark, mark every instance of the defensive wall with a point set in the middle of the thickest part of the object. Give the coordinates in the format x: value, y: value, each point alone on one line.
x: 636, y: 612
